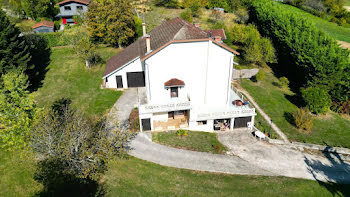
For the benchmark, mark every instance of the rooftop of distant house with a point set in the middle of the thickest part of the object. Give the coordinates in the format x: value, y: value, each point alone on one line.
x: 86, y: 2
x: 44, y: 24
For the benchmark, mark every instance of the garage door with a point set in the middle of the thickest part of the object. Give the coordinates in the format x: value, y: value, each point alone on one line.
x: 242, y: 122
x: 135, y: 79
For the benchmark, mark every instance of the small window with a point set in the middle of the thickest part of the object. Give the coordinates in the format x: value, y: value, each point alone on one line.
x: 67, y: 8
x: 204, y: 122
x: 79, y: 7
x: 174, y: 92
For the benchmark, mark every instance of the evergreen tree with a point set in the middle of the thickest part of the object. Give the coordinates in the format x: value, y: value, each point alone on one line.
x: 13, y: 48
x: 111, y: 22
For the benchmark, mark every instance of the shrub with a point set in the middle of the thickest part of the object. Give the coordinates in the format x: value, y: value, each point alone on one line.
x: 134, y: 120
x: 167, y: 3
x: 260, y: 76
x: 187, y: 15
x: 181, y: 132
x: 341, y: 107
x: 283, y: 82
x: 242, y: 15
x: 303, y: 119
x: 317, y: 99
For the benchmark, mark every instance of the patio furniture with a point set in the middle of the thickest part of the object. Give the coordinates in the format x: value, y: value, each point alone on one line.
x: 260, y: 135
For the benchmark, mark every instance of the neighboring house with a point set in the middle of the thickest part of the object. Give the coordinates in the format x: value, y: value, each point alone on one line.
x: 69, y: 8
x: 187, y: 76
x: 44, y: 27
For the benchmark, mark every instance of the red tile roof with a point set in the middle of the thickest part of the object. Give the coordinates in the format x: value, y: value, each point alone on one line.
x: 44, y: 23
x: 172, y: 31
x: 217, y: 32
x: 174, y: 82
x: 86, y: 2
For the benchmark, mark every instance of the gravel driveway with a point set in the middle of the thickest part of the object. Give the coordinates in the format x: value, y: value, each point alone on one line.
x: 285, y: 161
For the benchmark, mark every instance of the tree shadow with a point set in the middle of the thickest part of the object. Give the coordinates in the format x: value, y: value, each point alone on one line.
x: 40, y: 59
x: 52, y: 174
x: 334, y: 175
x: 289, y: 117
x: 296, y: 99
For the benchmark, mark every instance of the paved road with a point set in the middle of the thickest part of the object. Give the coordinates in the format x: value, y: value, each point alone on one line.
x: 143, y: 148
x: 119, y: 114
x: 285, y: 161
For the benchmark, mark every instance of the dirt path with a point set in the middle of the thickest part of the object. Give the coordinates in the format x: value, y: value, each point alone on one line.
x: 345, y: 45
x: 264, y: 115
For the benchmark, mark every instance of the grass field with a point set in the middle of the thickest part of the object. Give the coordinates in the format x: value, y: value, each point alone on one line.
x: 195, y: 140
x: 67, y: 77
x: 332, y: 129
x: 135, y: 177
x: 347, y: 2
x: 332, y: 29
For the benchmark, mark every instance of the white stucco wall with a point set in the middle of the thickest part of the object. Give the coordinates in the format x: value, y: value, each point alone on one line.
x: 203, y: 66
x: 74, y: 10
x: 134, y: 66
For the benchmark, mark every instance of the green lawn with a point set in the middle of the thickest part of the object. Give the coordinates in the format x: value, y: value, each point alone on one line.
x: 136, y: 177
x: 16, y: 175
x: 195, y: 140
x: 332, y: 29
x: 347, y: 2
x: 332, y: 129
x: 68, y: 77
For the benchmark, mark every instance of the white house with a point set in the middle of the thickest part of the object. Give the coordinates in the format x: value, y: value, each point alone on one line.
x: 186, y: 74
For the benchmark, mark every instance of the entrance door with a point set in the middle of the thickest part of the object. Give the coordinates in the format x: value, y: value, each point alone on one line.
x: 119, y: 80
x: 242, y: 122
x: 146, y: 124
x: 135, y: 79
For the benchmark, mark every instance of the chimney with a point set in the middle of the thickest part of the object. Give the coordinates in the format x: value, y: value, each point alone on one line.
x: 144, y: 29
x: 218, y: 38
x: 148, y: 43
x: 197, y: 25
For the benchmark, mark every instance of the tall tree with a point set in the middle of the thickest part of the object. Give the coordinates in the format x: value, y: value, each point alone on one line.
x: 17, y: 110
x: 14, y: 52
x: 111, y: 22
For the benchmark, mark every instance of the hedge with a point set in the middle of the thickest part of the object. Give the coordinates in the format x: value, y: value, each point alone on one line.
x: 306, y: 54
x: 58, y: 38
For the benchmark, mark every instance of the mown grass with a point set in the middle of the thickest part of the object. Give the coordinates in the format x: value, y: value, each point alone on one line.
x: 332, y: 129
x: 67, y: 77
x: 16, y: 175
x: 347, y: 2
x: 195, y: 140
x: 330, y: 28
x: 135, y: 177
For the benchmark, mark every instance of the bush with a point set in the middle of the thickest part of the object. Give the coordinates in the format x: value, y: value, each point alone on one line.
x: 283, y: 82
x: 341, y: 107
x: 303, y: 119
x: 58, y: 38
x: 317, y: 99
x: 181, y: 132
x: 260, y: 76
x: 134, y: 120
x: 242, y: 15
x: 167, y: 3
x: 187, y: 15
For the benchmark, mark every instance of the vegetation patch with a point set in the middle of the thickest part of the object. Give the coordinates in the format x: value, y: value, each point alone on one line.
x: 190, y: 140
x: 67, y: 77
x: 280, y: 104
x: 134, y: 120
x: 135, y: 177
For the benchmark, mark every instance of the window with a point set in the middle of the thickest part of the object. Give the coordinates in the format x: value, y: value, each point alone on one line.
x: 67, y: 8
x: 204, y: 122
x: 174, y: 92
x: 79, y: 7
